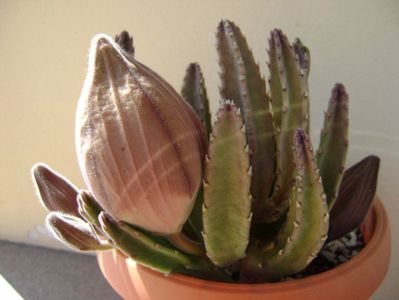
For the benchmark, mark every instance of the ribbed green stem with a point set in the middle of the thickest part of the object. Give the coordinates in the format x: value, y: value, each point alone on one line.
x: 145, y: 250
x: 242, y: 83
x: 290, y: 110
x: 305, y: 230
x: 333, y: 148
x: 194, y: 92
x: 227, y: 200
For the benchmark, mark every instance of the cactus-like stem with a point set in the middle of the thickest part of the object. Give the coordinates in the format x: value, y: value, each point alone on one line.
x: 303, y: 55
x: 74, y: 232
x: 242, y: 200
x: 333, y: 147
x: 227, y: 199
x: 290, y: 110
x: 305, y: 229
x: 145, y: 250
x: 242, y: 82
x: 288, y: 82
x: 89, y: 209
x: 194, y: 92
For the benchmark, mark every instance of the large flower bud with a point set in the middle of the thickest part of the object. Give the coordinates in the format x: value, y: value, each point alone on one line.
x: 140, y: 146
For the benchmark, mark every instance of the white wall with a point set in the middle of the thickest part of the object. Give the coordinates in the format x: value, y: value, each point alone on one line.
x: 43, y: 53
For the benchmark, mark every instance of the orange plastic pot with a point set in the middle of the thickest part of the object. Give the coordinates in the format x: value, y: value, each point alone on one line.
x: 355, y: 279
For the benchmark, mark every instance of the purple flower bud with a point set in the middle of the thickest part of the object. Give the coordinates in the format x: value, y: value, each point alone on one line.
x: 74, y: 232
x: 55, y: 191
x: 140, y: 146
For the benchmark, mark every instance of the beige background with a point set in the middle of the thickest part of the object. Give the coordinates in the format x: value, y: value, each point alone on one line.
x: 43, y: 54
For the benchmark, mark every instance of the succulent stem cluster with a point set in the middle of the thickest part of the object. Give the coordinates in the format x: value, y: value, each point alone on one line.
x: 244, y: 199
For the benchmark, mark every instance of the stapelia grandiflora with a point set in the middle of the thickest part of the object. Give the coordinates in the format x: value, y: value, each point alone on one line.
x: 245, y: 199
x: 140, y: 145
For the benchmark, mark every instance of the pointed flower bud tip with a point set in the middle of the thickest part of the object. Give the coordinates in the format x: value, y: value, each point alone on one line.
x: 73, y: 231
x: 55, y: 191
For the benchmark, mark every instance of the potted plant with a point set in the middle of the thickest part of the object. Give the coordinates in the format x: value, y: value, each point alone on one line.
x: 180, y: 208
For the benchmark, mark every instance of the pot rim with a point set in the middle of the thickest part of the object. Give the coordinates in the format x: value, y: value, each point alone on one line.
x: 379, y: 225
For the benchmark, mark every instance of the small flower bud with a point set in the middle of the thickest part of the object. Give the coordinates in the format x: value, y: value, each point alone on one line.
x: 55, y: 192
x: 74, y: 232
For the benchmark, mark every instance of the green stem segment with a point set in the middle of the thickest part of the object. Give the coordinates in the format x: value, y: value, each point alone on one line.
x: 227, y: 199
x: 289, y: 91
x: 242, y: 83
x: 303, y: 56
x: 194, y: 92
x: 331, y: 155
x: 145, y: 250
x: 89, y: 209
x: 305, y: 229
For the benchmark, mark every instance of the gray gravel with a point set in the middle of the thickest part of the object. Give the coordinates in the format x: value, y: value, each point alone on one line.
x: 42, y: 274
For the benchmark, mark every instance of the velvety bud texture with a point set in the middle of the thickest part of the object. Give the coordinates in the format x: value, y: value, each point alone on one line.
x: 245, y: 199
x: 139, y: 145
x: 55, y: 192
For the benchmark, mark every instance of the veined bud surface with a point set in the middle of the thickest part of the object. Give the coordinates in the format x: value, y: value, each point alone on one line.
x: 140, y: 146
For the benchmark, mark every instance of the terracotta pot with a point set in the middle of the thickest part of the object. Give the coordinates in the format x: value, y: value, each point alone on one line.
x: 355, y: 279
